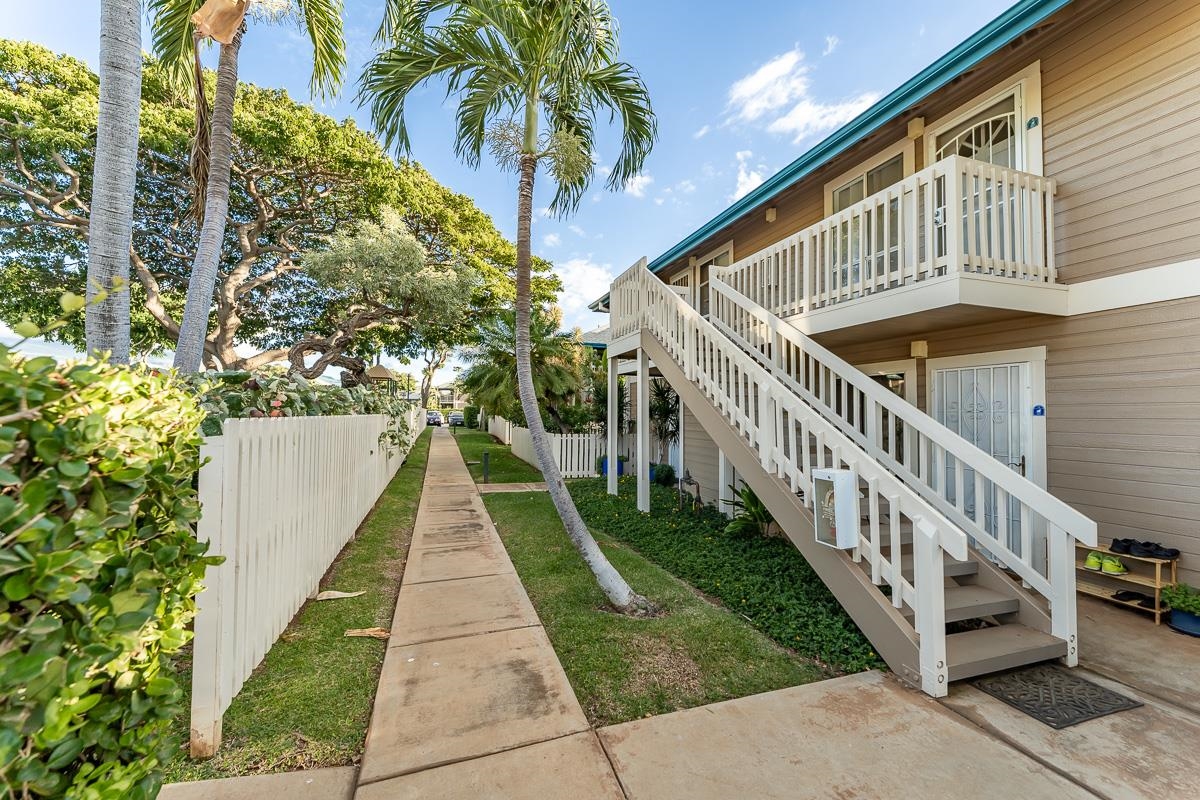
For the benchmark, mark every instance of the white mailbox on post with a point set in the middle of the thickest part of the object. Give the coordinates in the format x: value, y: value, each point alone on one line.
x: 835, y: 508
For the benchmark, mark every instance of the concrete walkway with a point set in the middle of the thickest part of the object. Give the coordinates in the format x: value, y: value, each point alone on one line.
x: 472, y: 701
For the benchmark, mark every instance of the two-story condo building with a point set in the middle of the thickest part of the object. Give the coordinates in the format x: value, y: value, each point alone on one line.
x: 981, y: 298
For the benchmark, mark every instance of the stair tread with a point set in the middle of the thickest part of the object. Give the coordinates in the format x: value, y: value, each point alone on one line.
x: 950, y: 565
x: 1000, y: 647
x: 972, y: 602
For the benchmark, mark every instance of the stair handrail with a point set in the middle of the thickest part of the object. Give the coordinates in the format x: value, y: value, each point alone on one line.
x: 1049, y: 507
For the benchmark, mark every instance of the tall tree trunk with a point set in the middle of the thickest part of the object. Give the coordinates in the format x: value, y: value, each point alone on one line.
x: 189, y: 350
x: 611, y: 582
x: 114, y: 174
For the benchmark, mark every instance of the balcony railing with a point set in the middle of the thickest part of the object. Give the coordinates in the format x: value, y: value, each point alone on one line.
x: 956, y: 216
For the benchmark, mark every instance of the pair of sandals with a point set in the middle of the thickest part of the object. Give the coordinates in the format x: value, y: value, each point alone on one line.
x: 1145, y: 601
x: 1132, y: 547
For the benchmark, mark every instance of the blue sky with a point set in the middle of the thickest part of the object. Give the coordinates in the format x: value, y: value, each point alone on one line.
x: 740, y: 91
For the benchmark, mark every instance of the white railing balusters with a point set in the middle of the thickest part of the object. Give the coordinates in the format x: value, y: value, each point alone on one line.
x: 934, y: 461
x: 956, y: 215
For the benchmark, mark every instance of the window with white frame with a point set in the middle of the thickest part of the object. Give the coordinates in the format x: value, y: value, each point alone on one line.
x: 868, y: 183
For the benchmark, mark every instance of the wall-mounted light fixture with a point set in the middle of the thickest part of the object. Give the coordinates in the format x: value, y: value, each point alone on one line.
x: 771, y: 214
x: 919, y: 348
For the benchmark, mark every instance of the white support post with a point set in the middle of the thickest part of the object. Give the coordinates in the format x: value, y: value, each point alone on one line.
x: 724, y: 484
x: 1062, y: 579
x: 643, y: 431
x: 613, y: 425
x: 929, y: 583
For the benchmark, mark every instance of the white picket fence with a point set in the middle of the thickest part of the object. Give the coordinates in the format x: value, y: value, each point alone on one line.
x: 575, y: 453
x: 279, y: 498
x: 500, y: 428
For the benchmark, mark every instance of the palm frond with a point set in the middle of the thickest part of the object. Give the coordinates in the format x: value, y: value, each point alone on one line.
x: 171, y: 32
x: 323, y: 23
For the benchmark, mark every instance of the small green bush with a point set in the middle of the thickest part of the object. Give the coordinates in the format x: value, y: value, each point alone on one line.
x: 765, y: 579
x: 98, y: 569
x: 1181, y: 597
x: 664, y: 475
x: 471, y: 416
x: 751, y: 517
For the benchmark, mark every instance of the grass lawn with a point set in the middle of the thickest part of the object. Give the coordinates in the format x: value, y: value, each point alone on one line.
x: 503, y: 466
x: 308, y: 704
x: 623, y: 668
x: 764, y: 578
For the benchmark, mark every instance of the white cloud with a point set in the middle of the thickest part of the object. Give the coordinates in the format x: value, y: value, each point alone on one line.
x: 808, y: 117
x: 544, y: 212
x: 700, y: 133
x: 831, y: 43
x: 583, y: 281
x: 551, y: 240
x: 578, y: 231
x: 749, y: 176
x: 658, y: 201
x: 781, y: 91
x: 604, y: 170
x: 770, y: 87
x: 685, y: 187
x: 638, y: 184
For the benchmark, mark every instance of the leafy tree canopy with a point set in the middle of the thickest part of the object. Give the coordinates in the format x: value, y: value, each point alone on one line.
x: 298, y: 177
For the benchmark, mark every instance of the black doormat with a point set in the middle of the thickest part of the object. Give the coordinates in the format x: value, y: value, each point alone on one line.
x: 1054, y: 695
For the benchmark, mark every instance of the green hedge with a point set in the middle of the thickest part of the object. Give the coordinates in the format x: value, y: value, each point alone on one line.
x: 98, y: 568
x: 273, y: 393
x: 765, y: 579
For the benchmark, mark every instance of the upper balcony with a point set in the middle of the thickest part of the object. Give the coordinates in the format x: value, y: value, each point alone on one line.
x: 959, y: 242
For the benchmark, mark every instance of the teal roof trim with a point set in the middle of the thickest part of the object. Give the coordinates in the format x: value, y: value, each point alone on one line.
x: 987, y: 40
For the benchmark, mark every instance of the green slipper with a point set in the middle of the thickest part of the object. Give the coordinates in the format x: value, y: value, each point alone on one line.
x: 1094, y: 561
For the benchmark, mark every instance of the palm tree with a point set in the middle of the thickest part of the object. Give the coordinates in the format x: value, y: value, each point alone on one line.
x: 664, y: 416
x: 513, y: 64
x: 491, y: 375
x: 179, y: 26
x: 114, y: 173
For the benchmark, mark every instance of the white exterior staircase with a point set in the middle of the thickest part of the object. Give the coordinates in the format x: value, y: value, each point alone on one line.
x: 963, y: 566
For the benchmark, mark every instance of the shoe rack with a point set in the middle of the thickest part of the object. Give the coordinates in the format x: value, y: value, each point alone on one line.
x: 1145, y: 575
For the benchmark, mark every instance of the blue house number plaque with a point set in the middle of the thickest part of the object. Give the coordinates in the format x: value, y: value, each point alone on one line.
x: 1039, y: 411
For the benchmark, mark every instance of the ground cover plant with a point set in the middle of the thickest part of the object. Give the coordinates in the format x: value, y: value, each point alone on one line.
x: 308, y: 704
x: 503, y: 466
x: 621, y: 667
x: 765, y: 579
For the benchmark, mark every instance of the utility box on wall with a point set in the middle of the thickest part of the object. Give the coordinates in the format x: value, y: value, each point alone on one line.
x: 835, y: 508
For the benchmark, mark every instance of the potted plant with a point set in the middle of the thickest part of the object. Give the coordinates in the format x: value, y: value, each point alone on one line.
x: 1184, y: 602
x: 602, y: 464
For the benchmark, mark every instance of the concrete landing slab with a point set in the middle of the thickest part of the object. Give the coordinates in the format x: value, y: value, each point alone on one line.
x: 1127, y: 646
x: 571, y: 767
x: 466, y: 607
x: 861, y: 736
x: 1144, y: 752
x: 458, y: 561
x: 336, y: 783
x: 459, y: 698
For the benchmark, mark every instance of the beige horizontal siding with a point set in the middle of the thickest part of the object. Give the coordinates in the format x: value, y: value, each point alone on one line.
x: 700, y: 456
x: 1123, y: 412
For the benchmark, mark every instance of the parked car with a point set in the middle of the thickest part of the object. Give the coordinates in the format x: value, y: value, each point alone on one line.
x: 434, y: 418
x: 456, y: 418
